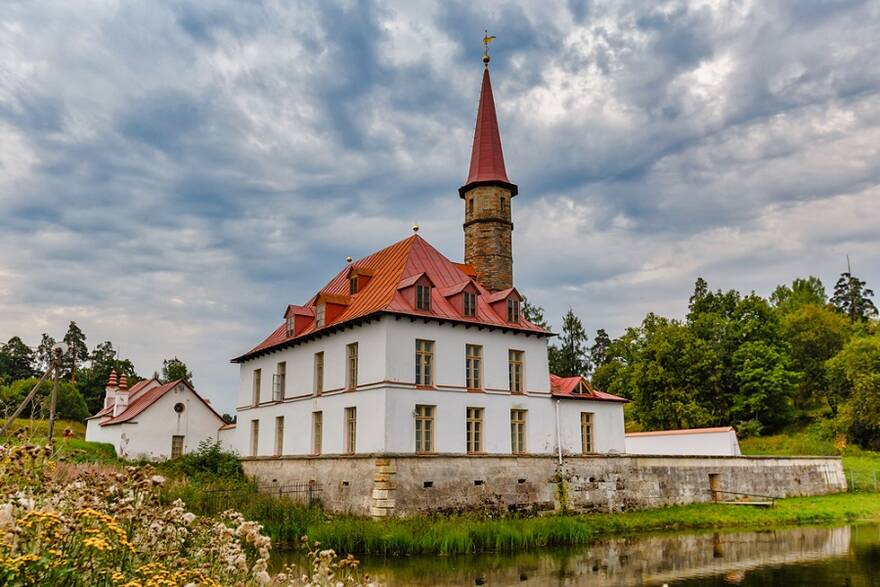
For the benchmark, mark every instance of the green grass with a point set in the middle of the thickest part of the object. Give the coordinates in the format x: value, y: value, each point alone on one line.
x: 862, y: 467
x: 39, y: 428
x: 458, y: 535
x: 74, y: 449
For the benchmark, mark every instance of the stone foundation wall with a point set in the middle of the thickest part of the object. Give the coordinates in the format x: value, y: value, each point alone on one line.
x: 385, y: 485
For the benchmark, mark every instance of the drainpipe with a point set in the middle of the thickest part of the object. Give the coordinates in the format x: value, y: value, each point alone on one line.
x: 558, y: 434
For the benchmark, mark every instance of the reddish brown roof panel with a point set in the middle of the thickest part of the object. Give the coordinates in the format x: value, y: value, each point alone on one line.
x: 487, y: 158
x: 401, y: 263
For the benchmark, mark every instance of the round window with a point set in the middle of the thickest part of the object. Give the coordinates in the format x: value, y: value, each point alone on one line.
x: 178, y: 407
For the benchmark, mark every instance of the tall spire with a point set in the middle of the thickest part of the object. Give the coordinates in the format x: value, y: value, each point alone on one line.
x: 488, y: 225
x: 487, y: 158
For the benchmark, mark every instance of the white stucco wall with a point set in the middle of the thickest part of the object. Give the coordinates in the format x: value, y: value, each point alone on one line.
x: 386, y: 396
x: 149, y: 434
x: 97, y: 433
x: 681, y: 442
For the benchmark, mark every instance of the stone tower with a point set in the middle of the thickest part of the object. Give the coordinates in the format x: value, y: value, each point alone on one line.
x: 487, y: 193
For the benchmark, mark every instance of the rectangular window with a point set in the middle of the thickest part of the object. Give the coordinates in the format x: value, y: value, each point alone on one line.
x: 425, y: 362
x: 176, y: 446
x: 474, y: 430
x: 518, y: 431
x: 470, y: 304
x: 255, y: 437
x: 279, y: 382
x: 319, y: 373
x: 470, y: 207
x: 515, y: 363
x: 424, y: 429
x: 352, y: 362
x: 353, y: 285
x: 279, y: 436
x: 320, y: 311
x: 288, y: 326
x: 423, y: 297
x: 350, y: 430
x: 512, y: 310
x: 258, y: 376
x: 473, y: 366
x: 317, y: 432
x: 587, y: 432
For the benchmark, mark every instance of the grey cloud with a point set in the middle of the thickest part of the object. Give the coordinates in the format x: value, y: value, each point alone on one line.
x: 193, y: 167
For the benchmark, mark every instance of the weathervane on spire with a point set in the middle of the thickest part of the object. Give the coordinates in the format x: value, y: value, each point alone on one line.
x: 486, y: 40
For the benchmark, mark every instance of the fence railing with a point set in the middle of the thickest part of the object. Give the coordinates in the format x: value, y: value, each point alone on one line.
x: 863, y: 481
x: 305, y: 492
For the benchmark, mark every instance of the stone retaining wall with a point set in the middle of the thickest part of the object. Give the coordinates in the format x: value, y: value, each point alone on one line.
x: 385, y: 485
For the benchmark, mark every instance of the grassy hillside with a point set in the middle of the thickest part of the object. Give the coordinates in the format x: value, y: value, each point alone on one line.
x: 75, y: 448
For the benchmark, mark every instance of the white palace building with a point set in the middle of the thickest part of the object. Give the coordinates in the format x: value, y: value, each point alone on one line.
x: 411, y: 383
x: 408, y: 352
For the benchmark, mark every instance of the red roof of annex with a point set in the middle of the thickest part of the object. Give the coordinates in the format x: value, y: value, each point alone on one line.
x: 141, y: 396
x: 568, y: 387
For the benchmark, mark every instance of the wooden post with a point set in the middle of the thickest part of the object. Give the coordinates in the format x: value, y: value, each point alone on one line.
x: 53, y: 402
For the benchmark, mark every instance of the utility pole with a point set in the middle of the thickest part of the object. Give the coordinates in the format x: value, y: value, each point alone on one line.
x: 56, y: 371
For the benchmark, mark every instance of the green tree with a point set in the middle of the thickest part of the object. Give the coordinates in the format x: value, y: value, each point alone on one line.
x: 853, y: 299
x: 77, y: 351
x: 673, y: 376
x: 534, y: 314
x: 175, y: 369
x: 570, y: 358
x: 801, y: 293
x: 16, y: 360
x: 44, y: 353
x: 854, y: 377
x: 599, y: 350
x: 70, y: 405
x: 815, y: 334
x: 766, y: 384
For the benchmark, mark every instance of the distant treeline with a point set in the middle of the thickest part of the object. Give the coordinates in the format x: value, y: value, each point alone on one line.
x: 795, y: 358
x: 84, y: 374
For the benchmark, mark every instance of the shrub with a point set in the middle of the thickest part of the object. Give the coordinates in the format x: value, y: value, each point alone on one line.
x: 208, y: 463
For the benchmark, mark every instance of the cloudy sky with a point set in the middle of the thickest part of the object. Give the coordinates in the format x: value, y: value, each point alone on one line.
x: 173, y: 174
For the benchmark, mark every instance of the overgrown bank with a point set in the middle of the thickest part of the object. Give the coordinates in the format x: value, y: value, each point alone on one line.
x: 284, y: 520
x: 210, y: 481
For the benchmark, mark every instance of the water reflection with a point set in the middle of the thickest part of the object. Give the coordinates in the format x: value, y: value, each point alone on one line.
x: 848, y: 555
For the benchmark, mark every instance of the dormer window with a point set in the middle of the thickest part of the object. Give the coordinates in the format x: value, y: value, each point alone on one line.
x: 582, y: 388
x: 320, y: 311
x: 512, y: 310
x: 470, y: 304
x: 353, y: 284
x: 423, y: 297
x: 288, y: 326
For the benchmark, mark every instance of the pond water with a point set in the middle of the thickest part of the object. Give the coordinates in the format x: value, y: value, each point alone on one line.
x: 834, y: 556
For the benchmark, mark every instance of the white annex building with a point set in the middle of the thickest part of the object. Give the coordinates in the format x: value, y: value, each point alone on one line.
x: 719, y: 442
x: 407, y: 352
x: 153, y: 420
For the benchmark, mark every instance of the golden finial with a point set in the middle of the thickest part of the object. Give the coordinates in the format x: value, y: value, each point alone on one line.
x: 415, y: 227
x: 487, y: 38
x: 348, y: 259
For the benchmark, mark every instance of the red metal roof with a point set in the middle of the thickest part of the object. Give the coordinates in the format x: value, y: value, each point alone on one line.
x: 566, y: 387
x: 487, y: 157
x: 401, y: 263
x: 149, y: 396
